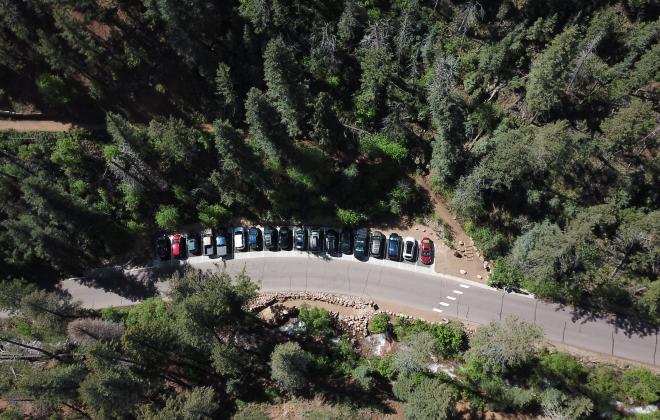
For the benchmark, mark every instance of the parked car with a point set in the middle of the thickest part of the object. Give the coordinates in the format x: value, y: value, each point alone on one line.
x: 221, y: 243
x: 377, y: 240
x: 316, y: 240
x: 255, y: 238
x: 270, y: 238
x: 426, y: 254
x: 346, y: 241
x: 300, y: 238
x: 192, y: 244
x: 361, y: 242
x: 178, y: 247
x: 331, y: 242
x: 409, y: 248
x: 240, y: 239
x: 394, y: 247
x: 163, y: 247
x: 285, y: 238
x: 207, y: 243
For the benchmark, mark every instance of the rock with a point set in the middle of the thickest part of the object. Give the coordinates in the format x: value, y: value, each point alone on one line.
x: 479, y: 276
x: 461, y: 243
x: 458, y: 254
x: 463, y: 272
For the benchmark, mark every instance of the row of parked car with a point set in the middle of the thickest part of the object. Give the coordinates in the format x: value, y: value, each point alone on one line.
x: 361, y: 243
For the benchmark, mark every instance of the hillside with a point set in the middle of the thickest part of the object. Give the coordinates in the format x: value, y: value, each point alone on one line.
x: 536, y: 120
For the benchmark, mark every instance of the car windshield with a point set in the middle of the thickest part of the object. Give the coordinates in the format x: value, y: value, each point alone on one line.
x: 409, y: 247
x: 359, y: 248
x: 426, y: 253
x: 393, y: 246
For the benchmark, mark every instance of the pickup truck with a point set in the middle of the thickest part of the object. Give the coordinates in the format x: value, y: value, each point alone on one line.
x: 207, y: 243
x: 220, y: 243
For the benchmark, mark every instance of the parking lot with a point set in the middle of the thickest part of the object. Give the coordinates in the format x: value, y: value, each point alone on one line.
x: 233, y: 254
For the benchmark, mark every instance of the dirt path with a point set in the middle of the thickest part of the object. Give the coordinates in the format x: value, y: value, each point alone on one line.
x: 45, y: 125
x: 35, y: 125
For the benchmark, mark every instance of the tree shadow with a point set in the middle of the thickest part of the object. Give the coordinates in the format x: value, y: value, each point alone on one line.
x: 629, y: 324
x: 132, y: 285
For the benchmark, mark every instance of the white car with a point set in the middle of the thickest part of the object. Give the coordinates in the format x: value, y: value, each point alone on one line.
x: 409, y: 248
x: 239, y: 239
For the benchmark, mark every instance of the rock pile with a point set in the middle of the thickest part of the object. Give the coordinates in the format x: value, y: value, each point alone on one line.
x: 263, y: 300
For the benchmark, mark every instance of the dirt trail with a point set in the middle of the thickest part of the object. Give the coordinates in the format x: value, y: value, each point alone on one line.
x: 45, y: 125
x: 35, y: 125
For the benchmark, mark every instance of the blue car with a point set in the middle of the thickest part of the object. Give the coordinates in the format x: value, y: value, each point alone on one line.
x: 255, y: 238
x: 394, y: 247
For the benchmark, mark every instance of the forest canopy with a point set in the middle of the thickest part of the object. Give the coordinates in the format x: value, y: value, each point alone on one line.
x: 536, y: 120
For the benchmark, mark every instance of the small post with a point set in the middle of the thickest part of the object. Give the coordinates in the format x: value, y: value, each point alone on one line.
x: 563, y: 333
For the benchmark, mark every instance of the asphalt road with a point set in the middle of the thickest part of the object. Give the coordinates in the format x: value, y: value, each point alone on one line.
x: 411, y: 286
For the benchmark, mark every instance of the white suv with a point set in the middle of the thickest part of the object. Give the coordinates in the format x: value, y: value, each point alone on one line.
x: 409, y: 248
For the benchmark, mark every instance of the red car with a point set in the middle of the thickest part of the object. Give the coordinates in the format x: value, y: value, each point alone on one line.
x: 177, y: 247
x: 426, y: 254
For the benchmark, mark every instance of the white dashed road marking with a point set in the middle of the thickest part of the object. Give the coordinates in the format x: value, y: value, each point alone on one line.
x: 444, y: 304
x: 451, y: 298
x: 458, y: 292
x: 437, y: 310
x: 464, y: 286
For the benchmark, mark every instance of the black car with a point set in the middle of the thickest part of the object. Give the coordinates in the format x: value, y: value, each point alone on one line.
x: 285, y: 238
x: 330, y: 241
x: 163, y: 247
x: 255, y: 238
x: 316, y: 240
x: 270, y: 238
x: 394, y: 247
x: 300, y: 238
x: 376, y: 248
x: 360, y: 250
x: 346, y: 241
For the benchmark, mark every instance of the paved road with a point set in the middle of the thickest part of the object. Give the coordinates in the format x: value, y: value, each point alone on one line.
x: 414, y: 287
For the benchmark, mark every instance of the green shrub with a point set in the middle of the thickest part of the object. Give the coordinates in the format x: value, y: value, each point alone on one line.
x: 213, y: 215
x: 380, y: 143
x: 406, y: 384
x: 288, y: 364
x: 384, y: 366
x: 168, y: 217
x: 113, y: 314
x: 349, y: 217
x: 317, y: 320
x: 639, y: 386
x: 560, y: 369
x: 363, y: 376
x: 489, y: 241
x: 380, y: 324
x: 432, y: 399
x: 506, y: 275
x: 251, y: 411
x: 450, y: 338
x: 343, y: 357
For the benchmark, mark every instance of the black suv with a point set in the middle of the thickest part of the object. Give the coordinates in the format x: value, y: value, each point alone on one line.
x: 346, y: 241
x: 163, y: 247
x: 360, y: 250
x: 331, y: 242
x: 270, y: 238
x: 376, y: 249
x: 300, y: 238
x: 316, y: 240
x: 285, y: 238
